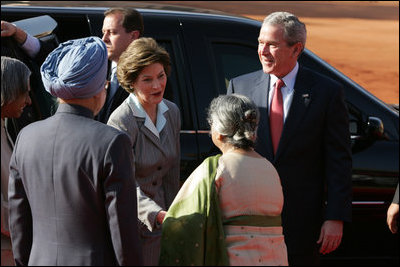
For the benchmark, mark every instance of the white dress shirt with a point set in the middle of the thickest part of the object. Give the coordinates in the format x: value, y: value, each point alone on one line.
x: 113, y: 81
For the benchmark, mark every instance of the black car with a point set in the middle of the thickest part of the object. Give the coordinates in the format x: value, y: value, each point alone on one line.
x: 207, y: 50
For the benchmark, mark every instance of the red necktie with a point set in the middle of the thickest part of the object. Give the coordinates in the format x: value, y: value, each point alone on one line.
x: 276, y: 115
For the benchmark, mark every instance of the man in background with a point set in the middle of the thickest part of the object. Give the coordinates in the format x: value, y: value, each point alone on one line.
x: 121, y: 26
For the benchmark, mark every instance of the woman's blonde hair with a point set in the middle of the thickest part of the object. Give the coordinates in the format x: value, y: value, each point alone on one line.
x: 140, y: 53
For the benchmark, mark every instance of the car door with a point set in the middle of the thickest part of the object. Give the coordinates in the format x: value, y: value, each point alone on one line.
x: 215, y: 45
x: 167, y: 31
x: 375, y: 172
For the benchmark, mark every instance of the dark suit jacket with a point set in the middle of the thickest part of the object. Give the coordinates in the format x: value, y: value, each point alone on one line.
x: 111, y: 104
x: 314, y: 152
x: 72, y: 194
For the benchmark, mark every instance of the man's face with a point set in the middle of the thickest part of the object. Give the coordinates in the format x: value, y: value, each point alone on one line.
x: 276, y: 56
x: 15, y: 108
x: 115, y: 36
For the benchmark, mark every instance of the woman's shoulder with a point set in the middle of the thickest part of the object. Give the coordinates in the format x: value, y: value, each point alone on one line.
x: 171, y: 105
x: 121, y: 113
x: 123, y: 119
x: 173, y: 113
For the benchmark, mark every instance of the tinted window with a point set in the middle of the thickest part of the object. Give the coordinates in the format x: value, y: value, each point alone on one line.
x: 175, y: 90
x: 232, y: 60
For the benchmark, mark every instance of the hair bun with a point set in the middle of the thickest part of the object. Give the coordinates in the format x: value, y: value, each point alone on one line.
x: 250, y: 116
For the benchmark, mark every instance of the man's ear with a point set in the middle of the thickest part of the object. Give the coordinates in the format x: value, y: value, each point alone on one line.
x: 298, y: 47
x: 134, y: 35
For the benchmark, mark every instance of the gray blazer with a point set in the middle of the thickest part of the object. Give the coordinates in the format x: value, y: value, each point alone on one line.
x: 72, y: 195
x: 157, y: 169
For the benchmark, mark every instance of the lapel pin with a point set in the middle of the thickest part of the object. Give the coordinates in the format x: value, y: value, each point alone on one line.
x: 306, y: 98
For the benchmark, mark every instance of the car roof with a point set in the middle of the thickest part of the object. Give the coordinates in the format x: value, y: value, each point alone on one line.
x: 153, y: 9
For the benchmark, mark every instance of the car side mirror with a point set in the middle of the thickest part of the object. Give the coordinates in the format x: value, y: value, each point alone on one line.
x: 372, y: 130
x: 375, y: 128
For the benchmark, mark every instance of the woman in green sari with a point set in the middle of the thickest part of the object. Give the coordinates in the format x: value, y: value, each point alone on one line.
x: 228, y: 210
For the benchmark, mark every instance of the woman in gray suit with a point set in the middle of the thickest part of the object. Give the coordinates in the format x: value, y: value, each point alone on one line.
x: 153, y: 123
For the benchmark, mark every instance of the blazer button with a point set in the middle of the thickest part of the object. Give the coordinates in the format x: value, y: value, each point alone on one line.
x: 159, y: 168
x: 154, y: 183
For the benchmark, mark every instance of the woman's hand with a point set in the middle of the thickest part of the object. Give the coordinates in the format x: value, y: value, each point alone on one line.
x: 160, y: 216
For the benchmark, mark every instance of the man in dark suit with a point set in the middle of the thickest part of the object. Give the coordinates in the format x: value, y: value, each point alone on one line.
x: 121, y: 26
x: 304, y: 132
x: 75, y: 204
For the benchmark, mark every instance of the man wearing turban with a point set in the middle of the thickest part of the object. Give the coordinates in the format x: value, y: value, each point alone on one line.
x: 72, y: 194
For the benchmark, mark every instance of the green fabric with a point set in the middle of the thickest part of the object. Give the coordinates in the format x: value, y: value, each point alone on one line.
x: 254, y: 220
x: 192, y: 231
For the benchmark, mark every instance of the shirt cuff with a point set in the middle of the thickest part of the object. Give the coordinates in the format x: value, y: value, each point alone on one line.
x: 31, y: 46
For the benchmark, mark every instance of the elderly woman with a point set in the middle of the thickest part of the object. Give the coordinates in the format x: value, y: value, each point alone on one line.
x: 153, y: 123
x: 234, y: 200
x: 14, y: 98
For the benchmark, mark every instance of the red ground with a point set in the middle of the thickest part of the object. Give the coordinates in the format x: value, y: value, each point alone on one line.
x: 359, y: 38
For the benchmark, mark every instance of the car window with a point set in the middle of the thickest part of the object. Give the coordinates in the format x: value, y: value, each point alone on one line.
x: 172, y: 84
x: 233, y: 60
x: 175, y: 90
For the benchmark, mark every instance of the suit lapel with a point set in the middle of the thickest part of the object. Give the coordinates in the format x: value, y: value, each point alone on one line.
x: 301, y: 100
x: 259, y: 93
x: 150, y: 135
x: 260, y: 97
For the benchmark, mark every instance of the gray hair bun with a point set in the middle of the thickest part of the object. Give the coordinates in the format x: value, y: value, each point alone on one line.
x: 236, y: 117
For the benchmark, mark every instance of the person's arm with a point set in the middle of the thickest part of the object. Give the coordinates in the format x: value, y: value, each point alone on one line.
x: 28, y: 43
x: 20, y: 216
x: 149, y: 212
x: 171, y: 180
x: 338, y: 166
x: 120, y: 202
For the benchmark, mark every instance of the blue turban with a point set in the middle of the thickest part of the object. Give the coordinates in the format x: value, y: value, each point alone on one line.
x: 76, y: 68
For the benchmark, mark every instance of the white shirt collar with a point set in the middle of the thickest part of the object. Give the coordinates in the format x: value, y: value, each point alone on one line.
x: 139, y: 111
x: 287, y: 90
x: 289, y: 79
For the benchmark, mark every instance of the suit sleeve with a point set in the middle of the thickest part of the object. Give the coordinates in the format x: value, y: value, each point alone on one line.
x: 20, y: 216
x: 171, y: 181
x: 121, y: 202
x: 396, y: 195
x: 338, y: 159
x: 147, y: 208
